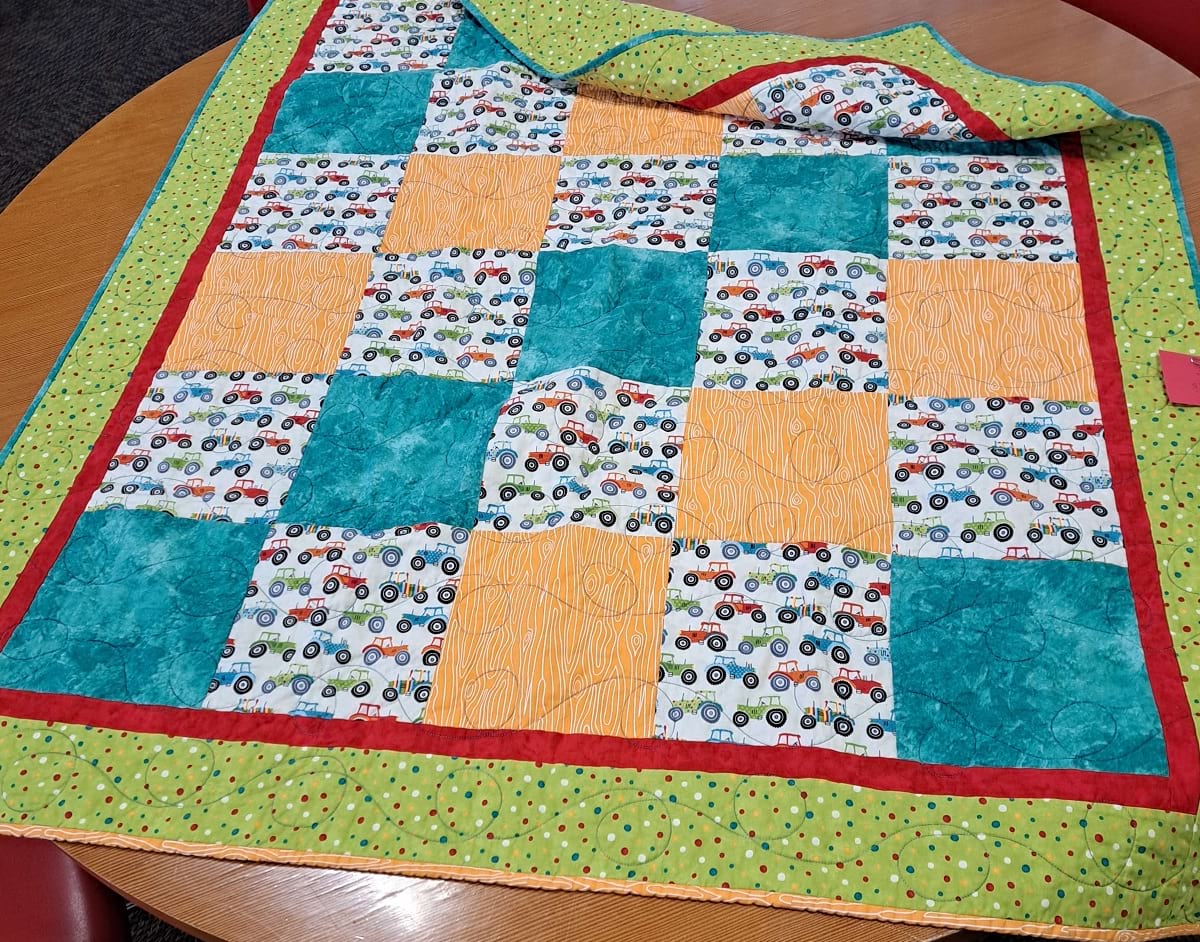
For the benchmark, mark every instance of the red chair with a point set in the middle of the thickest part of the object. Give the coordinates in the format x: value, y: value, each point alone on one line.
x: 49, y: 897
x: 1170, y: 26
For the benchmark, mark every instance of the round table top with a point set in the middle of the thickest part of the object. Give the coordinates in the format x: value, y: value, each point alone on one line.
x: 48, y: 281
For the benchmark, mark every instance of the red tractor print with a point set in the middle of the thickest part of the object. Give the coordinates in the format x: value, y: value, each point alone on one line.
x: 491, y: 270
x: 923, y: 420
x: 244, y: 487
x: 1032, y: 238
x: 745, y: 288
x: 922, y: 464
x: 174, y: 435
x: 277, y: 551
x: 562, y: 401
x: 620, y: 484
x: 1069, y: 503
x: 312, y: 611
x: 629, y: 392
x: 271, y: 440
x: 718, y: 573
x: 790, y: 674
x: 708, y: 633
x: 811, y: 264
x: 734, y: 603
x: 993, y: 166
x: 856, y: 353
x: 553, y: 454
x: 242, y: 392
x: 1006, y: 492
x: 738, y: 330
x: 822, y: 96
x: 944, y: 441
x: 805, y: 352
x: 194, y: 487
x: 575, y: 431
x: 852, y: 615
x: 922, y: 219
x: 844, y: 111
x: 877, y: 590
x: 1061, y: 452
x: 587, y: 212
x: 757, y: 312
x: 306, y: 419
x: 848, y: 682
x: 331, y: 552
x: 340, y: 577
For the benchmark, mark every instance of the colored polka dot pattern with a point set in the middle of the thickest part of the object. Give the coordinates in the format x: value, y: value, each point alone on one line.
x: 1153, y: 296
x: 989, y: 858
x: 787, y: 842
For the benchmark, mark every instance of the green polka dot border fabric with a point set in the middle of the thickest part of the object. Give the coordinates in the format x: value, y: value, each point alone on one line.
x: 1043, y: 866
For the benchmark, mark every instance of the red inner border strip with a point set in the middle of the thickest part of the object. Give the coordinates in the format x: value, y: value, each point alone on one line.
x: 1178, y: 791
x: 977, y: 122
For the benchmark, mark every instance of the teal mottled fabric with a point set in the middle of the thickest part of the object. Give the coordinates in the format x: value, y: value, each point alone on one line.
x: 1033, y: 665
x: 135, y: 609
x: 395, y: 450
x: 634, y: 313
x: 475, y: 47
x: 802, y: 204
x: 343, y: 113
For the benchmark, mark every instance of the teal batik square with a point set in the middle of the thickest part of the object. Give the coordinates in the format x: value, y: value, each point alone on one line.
x: 802, y: 204
x: 474, y: 47
x: 394, y: 451
x: 346, y: 113
x: 634, y: 313
x: 135, y: 608
x: 1021, y: 665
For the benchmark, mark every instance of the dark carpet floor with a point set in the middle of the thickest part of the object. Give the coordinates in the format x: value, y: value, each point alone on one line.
x: 65, y: 64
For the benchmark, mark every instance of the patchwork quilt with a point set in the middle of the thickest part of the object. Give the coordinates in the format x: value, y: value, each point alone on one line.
x: 588, y: 447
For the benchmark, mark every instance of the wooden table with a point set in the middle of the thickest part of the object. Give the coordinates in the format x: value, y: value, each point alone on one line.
x: 56, y: 260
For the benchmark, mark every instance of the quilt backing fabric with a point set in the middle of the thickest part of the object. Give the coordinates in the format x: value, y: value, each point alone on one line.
x: 592, y: 448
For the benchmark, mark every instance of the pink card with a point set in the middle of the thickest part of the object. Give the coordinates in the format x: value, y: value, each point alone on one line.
x: 1181, y: 377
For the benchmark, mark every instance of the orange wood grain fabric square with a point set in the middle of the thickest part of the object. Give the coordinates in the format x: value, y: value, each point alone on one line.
x: 272, y: 311
x: 605, y: 122
x: 476, y: 199
x: 764, y: 468
x: 970, y: 327
x: 557, y: 630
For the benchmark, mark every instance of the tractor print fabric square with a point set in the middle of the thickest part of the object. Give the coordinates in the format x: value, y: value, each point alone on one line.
x: 338, y: 623
x: 214, y: 446
x: 775, y: 320
x: 777, y: 645
x: 999, y: 205
x: 382, y: 36
x: 449, y: 312
x: 1002, y: 478
x: 497, y: 108
x: 316, y: 202
x: 649, y: 202
x: 583, y: 446
x: 580, y: 445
